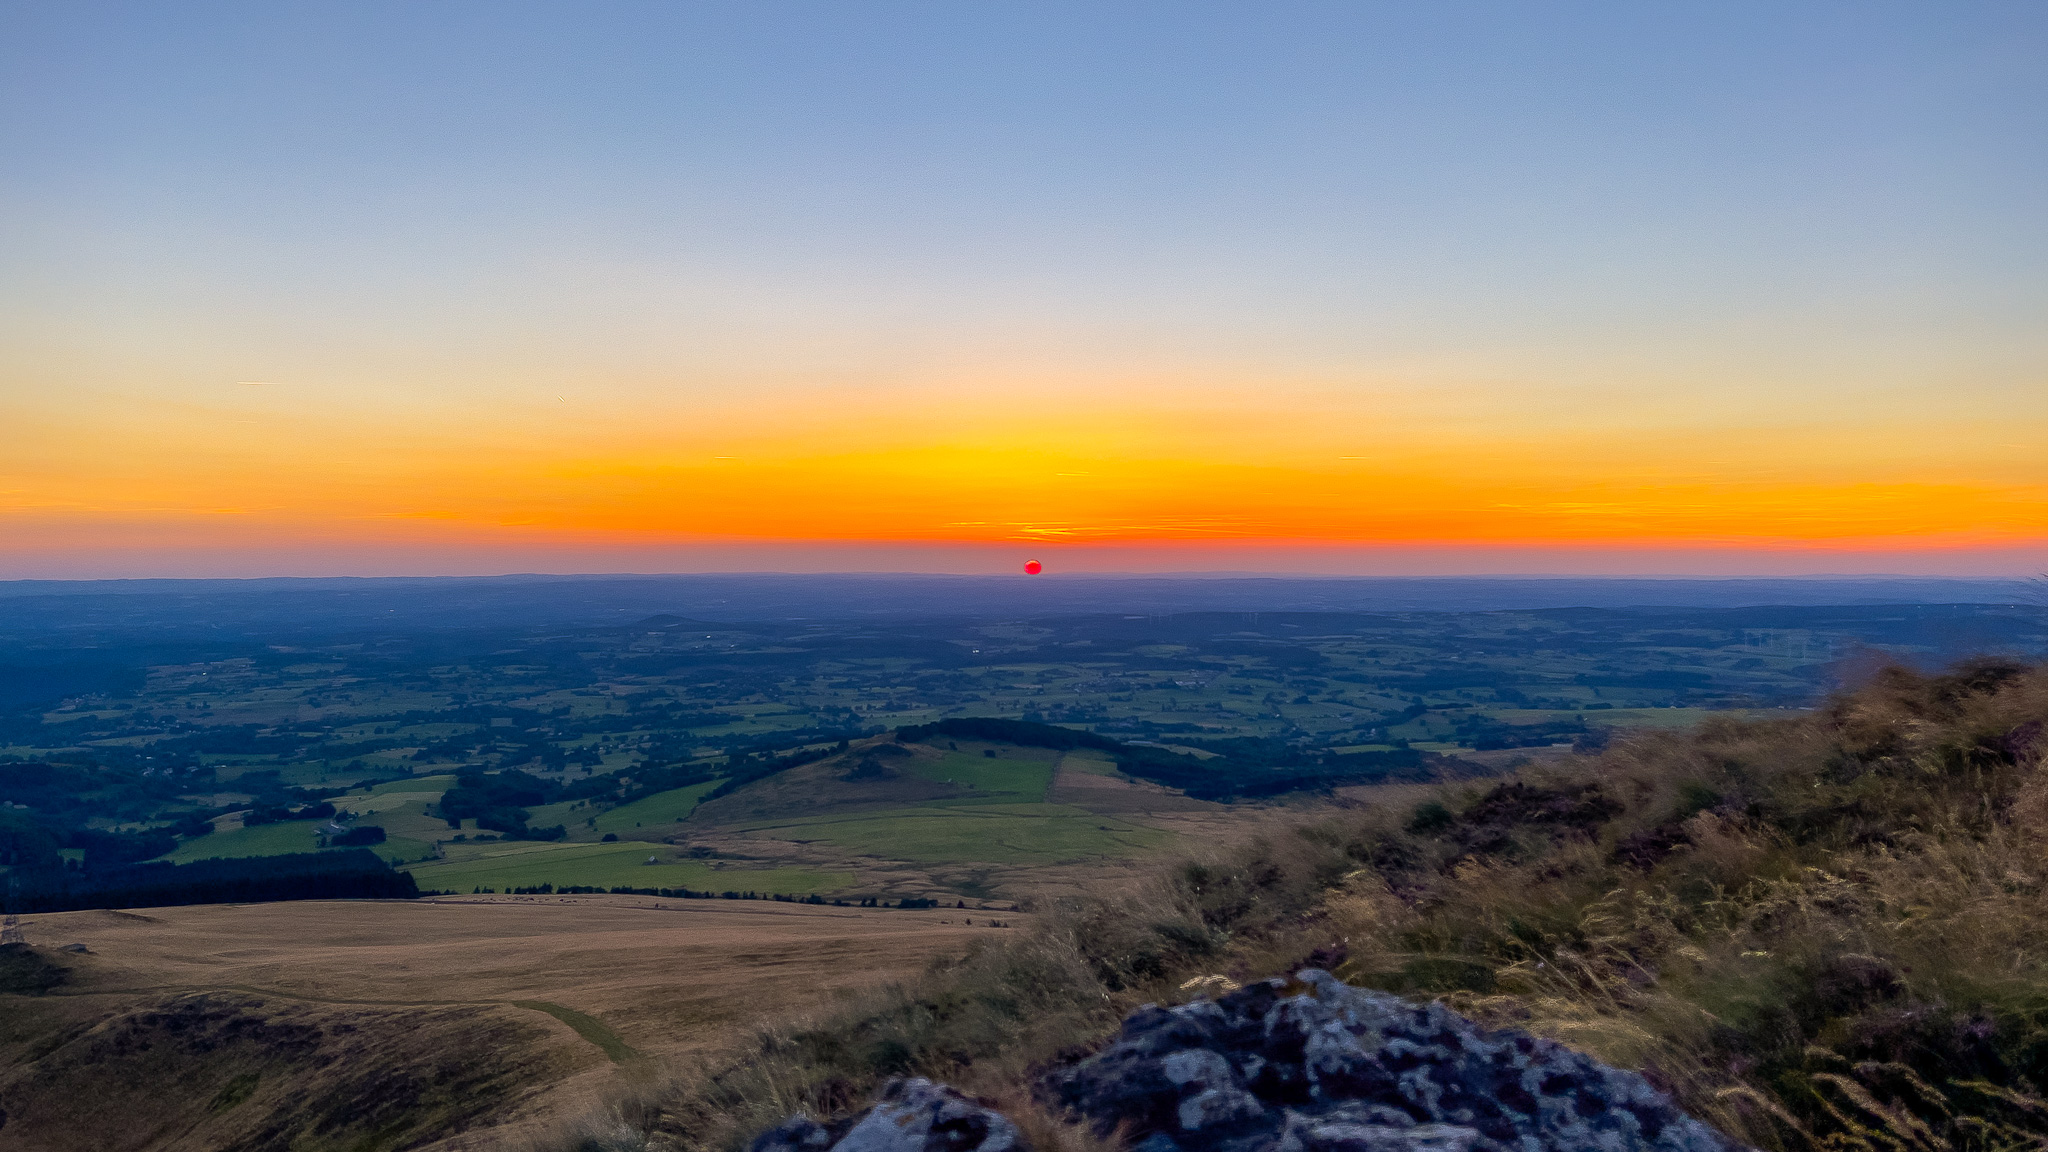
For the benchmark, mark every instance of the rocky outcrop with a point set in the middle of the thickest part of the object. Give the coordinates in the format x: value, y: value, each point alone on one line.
x: 911, y: 1116
x: 1314, y: 1065
x: 1307, y: 1065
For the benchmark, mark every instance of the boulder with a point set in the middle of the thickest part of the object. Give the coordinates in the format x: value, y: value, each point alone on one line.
x: 1314, y: 1065
x: 912, y: 1115
x: 1303, y: 1065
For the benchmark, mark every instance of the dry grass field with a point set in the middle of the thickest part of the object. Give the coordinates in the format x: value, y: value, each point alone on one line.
x: 370, y: 1024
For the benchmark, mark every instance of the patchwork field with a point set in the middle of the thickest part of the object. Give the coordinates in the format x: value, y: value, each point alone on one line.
x: 963, y: 818
x: 543, y: 1002
x: 523, y: 864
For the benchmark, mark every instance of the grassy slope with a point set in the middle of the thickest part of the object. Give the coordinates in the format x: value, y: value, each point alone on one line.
x: 940, y: 806
x: 263, y: 840
x: 1823, y: 932
x: 428, y: 785
x: 657, y: 811
x: 1012, y: 774
x: 226, y: 1069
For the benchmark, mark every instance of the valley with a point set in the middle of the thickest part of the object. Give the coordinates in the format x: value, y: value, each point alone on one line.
x: 637, y: 845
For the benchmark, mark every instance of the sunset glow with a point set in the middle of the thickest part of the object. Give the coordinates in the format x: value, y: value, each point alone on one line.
x: 769, y: 292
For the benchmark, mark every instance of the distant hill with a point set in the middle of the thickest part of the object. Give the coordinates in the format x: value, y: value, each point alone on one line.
x: 226, y: 607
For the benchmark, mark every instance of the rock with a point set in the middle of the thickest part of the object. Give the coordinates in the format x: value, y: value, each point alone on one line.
x: 1308, y: 1065
x: 1411, y: 1137
x: 910, y: 1116
x: 1318, y: 1066
x: 799, y: 1133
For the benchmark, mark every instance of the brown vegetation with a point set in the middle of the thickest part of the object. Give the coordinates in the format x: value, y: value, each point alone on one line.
x: 1819, y: 932
x: 378, y: 1025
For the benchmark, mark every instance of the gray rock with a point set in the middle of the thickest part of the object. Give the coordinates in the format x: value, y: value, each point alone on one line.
x: 1379, y: 1138
x: 799, y: 1133
x: 1314, y: 1065
x: 1308, y: 1065
x: 910, y: 1116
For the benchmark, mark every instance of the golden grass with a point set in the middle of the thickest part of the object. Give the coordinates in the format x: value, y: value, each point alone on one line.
x: 577, y: 980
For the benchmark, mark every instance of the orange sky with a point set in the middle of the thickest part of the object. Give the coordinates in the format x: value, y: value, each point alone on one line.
x: 1188, y: 475
x: 1344, y: 288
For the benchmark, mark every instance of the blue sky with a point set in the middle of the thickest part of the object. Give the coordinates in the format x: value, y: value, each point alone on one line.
x: 1568, y: 214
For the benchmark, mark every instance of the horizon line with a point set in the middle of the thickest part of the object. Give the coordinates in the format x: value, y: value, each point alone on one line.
x: 1193, y: 574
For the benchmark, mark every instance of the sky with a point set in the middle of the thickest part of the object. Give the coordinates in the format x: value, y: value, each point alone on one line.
x: 451, y: 287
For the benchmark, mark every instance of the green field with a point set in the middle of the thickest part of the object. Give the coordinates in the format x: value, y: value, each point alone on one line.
x: 399, y: 813
x: 1008, y: 777
x: 1089, y: 764
x: 657, y: 812
x: 434, y: 785
x: 263, y: 840
x: 526, y: 864
x: 992, y: 833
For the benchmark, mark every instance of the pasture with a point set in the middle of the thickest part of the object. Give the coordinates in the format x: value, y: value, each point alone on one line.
x: 263, y: 840
x: 657, y: 812
x: 1010, y: 775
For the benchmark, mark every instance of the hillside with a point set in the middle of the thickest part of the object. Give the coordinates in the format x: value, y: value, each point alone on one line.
x: 1818, y: 932
x: 375, y: 1025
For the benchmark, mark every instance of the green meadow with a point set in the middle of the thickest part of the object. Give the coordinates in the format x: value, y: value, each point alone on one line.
x: 1011, y: 775
x: 282, y: 838
x: 263, y: 840
x: 526, y: 864
x: 656, y: 812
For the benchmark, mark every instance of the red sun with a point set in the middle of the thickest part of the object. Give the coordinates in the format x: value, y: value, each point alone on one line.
x: 1033, y: 567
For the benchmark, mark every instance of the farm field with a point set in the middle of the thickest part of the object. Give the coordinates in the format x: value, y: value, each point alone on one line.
x: 264, y: 840
x: 1002, y: 773
x: 523, y: 864
x: 323, y: 711
x: 569, y: 992
x: 973, y: 803
x: 657, y: 811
